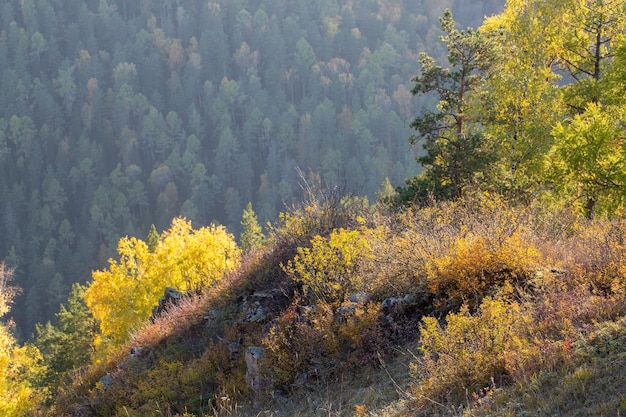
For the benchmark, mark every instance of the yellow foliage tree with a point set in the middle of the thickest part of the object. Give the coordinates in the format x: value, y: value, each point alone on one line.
x: 18, y: 365
x: 123, y: 296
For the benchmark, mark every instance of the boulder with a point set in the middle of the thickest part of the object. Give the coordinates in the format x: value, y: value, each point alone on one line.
x: 170, y: 298
x: 348, y: 308
x: 258, y: 307
x: 106, y: 381
x: 254, y: 355
x: 345, y: 312
x: 394, y: 307
x: 255, y: 314
x: 359, y: 298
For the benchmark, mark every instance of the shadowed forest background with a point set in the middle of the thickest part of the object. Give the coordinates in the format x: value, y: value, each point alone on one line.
x: 115, y: 115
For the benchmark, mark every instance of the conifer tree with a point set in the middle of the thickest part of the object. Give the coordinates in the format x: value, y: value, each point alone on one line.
x: 153, y: 238
x: 252, y: 235
x: 452, y: 141
x: 68, y: 343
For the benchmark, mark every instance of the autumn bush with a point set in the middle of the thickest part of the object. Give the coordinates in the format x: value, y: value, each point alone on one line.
x: 472, y: 352
x: 600, y: 252
x: 329, y: 269
x: 309, y: 344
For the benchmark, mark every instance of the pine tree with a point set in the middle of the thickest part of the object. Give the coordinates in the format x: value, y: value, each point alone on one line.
x: 452, y: 140
x: 69, y: 343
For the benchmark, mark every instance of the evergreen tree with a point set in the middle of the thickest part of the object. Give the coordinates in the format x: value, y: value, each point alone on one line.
x: 454, y: 143
x: 69, y: 342
x: 252, y: 235
x: 153, y: 238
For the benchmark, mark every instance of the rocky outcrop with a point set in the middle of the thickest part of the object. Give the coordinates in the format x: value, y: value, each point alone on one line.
x: 170, y: 298
x: 348, y: 308
x: 260, y: 306
x: 397, y: 306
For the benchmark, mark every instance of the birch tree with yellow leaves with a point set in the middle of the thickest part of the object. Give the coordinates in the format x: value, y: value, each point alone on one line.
x: 20, y: 366
x: 555, y: 105
x: 122, y: 297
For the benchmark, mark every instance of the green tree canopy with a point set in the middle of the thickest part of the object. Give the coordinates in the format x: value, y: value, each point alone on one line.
x: 453, y: 142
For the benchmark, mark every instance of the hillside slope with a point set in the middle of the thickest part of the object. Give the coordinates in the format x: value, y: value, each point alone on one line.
x: 467, y: 308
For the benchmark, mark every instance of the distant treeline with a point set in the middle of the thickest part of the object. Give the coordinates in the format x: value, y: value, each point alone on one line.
x: 115, y: 115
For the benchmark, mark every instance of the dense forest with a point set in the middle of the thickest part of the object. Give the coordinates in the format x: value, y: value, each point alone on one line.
x: 207, y: 190
x: 115, y: 115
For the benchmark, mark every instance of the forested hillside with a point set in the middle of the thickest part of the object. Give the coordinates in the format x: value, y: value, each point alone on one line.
x: 116, y: 114
x: 491, y: 282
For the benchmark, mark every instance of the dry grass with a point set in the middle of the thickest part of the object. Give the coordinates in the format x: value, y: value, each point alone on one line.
x: 534, y: 285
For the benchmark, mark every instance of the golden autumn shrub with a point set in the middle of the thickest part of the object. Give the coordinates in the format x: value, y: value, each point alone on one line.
x: 477, y: 265
x: 471, y: 352
x: 329, y: 269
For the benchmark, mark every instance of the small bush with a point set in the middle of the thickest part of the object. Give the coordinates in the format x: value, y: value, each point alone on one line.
x: 301, y: 345
x: 329, y: 269
x: 470, y: 352
x: 307, y: 343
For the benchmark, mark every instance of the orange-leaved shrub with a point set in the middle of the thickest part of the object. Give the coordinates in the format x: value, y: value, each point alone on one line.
x: 475, y: 265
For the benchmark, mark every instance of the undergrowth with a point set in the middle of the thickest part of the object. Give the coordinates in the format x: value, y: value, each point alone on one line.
x: 493, y: 299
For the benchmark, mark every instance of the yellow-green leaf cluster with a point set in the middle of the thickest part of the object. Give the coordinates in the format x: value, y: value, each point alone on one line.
x: 329, y: 268
x: 473, y: 350
x: 19, y: 365
x: 123, y: 296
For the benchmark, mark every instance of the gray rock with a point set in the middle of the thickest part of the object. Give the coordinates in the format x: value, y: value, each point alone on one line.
x: 135, y: 352
x: 345, y: 312
x: 254, y: 355
x: 255, y: 314
x: 359, y: 298
x: 106, y: 381
x: 260, y: 307
x: 397, y: 306
x: 170, y: 298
